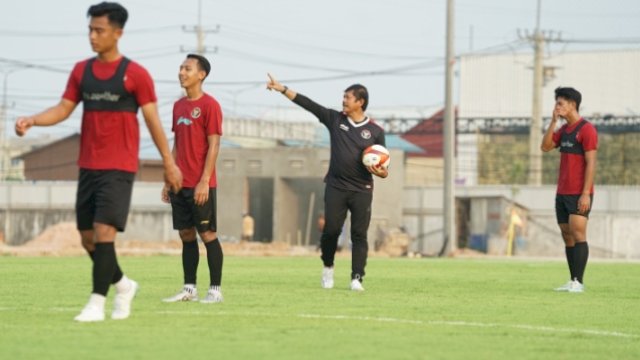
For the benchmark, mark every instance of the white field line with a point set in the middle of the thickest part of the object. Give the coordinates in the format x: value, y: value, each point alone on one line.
x: 473, y: 324
x: 547, y: 329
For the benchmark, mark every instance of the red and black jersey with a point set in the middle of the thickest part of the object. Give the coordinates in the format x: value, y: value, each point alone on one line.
x: 111, y: 92
x: 193, y: 122
x: 573, y: 141
x: 348, y: 140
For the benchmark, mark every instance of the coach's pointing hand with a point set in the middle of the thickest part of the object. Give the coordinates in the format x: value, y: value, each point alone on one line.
x: 273, y: 84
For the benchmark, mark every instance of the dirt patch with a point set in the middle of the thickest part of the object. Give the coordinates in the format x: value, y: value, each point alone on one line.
x: 63, y: 239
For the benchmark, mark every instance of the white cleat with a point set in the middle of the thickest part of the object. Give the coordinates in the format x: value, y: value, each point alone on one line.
x: 122, y: 302
x: 327, y: 278
x: 213, y: 296
x: 186, y: 294
x: 90, y: 313
x: 576, y: 287
x: 356, y: 285
x: 564, y: 287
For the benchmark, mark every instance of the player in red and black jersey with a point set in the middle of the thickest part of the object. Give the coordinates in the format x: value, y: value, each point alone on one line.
x: 197, y: 125
x: 578, y: 143
x: 112, y: 89
x: 349, y: 184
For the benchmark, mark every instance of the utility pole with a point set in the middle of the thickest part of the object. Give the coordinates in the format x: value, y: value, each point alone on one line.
x: 5, y: 170
x: 3, y: 130
x: 538, y: 38
x: 535, y: 135
x: 200, y: 32
x: 449, y: 201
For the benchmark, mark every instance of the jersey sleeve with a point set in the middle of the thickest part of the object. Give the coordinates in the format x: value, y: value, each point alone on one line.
x: 322, y: 113
x: 72, y: 91
x: 213, y: 122
x: 589, y: 138
x: 140, y: 83
x: 380, y: 139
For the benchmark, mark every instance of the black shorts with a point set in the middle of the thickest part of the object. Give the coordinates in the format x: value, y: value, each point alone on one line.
x: 568, y: 205
x: 186, y: 214
x: 103, y: 196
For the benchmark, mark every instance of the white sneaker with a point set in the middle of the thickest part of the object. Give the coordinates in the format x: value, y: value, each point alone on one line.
x: 93, y: 311
x: 213, y: 296
x: 327, y: 278
x: 186, y: 294
x: 564, y: 287
x: 356, y: 285
x: 122, y: 302
x: 576, y: 287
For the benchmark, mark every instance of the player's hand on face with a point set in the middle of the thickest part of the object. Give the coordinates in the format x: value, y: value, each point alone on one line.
x: 23, y: 124
x: 165, y: 194
x: 173, y: 178
x: 201, y: 194
x: 584, y: 203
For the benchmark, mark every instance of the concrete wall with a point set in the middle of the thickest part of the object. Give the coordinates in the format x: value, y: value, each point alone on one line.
x: 27, y: 208
x: 612, y: 231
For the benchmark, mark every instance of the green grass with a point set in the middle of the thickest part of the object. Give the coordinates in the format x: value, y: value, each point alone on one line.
x: 275, y: 309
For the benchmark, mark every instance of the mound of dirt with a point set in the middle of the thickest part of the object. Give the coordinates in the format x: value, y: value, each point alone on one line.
x: 63, y: 239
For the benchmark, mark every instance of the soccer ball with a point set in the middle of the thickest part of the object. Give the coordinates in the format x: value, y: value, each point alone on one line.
x: 376, y: 155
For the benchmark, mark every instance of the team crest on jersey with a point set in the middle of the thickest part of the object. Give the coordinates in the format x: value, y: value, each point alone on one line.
x: 195, y: 113
x: 366, y: 134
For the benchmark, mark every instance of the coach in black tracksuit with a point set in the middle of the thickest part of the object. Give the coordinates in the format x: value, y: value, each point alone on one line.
x: 349, y: 182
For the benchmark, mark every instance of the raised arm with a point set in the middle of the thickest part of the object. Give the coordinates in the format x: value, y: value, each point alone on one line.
x: 51, y: 116
x: 323, y: 114
x: 547, y: 140
x: 172, y: 174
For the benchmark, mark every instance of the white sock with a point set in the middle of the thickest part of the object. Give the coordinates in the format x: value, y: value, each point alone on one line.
x: 97, y: 300
x: 123, y: 285
x: 190, y: 287
x: 215, y: 288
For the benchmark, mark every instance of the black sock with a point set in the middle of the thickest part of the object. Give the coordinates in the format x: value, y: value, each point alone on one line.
x: 214, y: 258
x: 581, y: 255
x: 104, y: 266
x: 190, y: 260
x: 570, y: 251
x: 117, y: 275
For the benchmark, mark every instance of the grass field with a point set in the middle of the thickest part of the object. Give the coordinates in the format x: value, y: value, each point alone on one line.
x: 275, y: 309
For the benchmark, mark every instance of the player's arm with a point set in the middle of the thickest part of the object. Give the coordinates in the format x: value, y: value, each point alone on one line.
x: 322, y: 113
x: 202, y: 189
x: 172, y: 175
x: 51, y: 116
x: 547, y: 140
x: 164, y: 196
x: 584, y: 202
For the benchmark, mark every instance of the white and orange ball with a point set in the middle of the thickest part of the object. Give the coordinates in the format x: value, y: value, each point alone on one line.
x: 376, y: 155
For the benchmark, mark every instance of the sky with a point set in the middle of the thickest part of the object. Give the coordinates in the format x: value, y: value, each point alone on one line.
x: 395, y: 48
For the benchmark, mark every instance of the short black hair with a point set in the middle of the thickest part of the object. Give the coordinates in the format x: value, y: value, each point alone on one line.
x: 203, y: 63
x: 360, y: 93
x: 115, y: 12
x: 571, y: 94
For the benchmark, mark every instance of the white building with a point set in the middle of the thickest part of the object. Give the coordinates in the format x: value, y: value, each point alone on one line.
x: 501, y: 85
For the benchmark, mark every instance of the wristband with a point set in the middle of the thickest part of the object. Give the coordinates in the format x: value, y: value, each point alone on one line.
x: 284, y: 91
